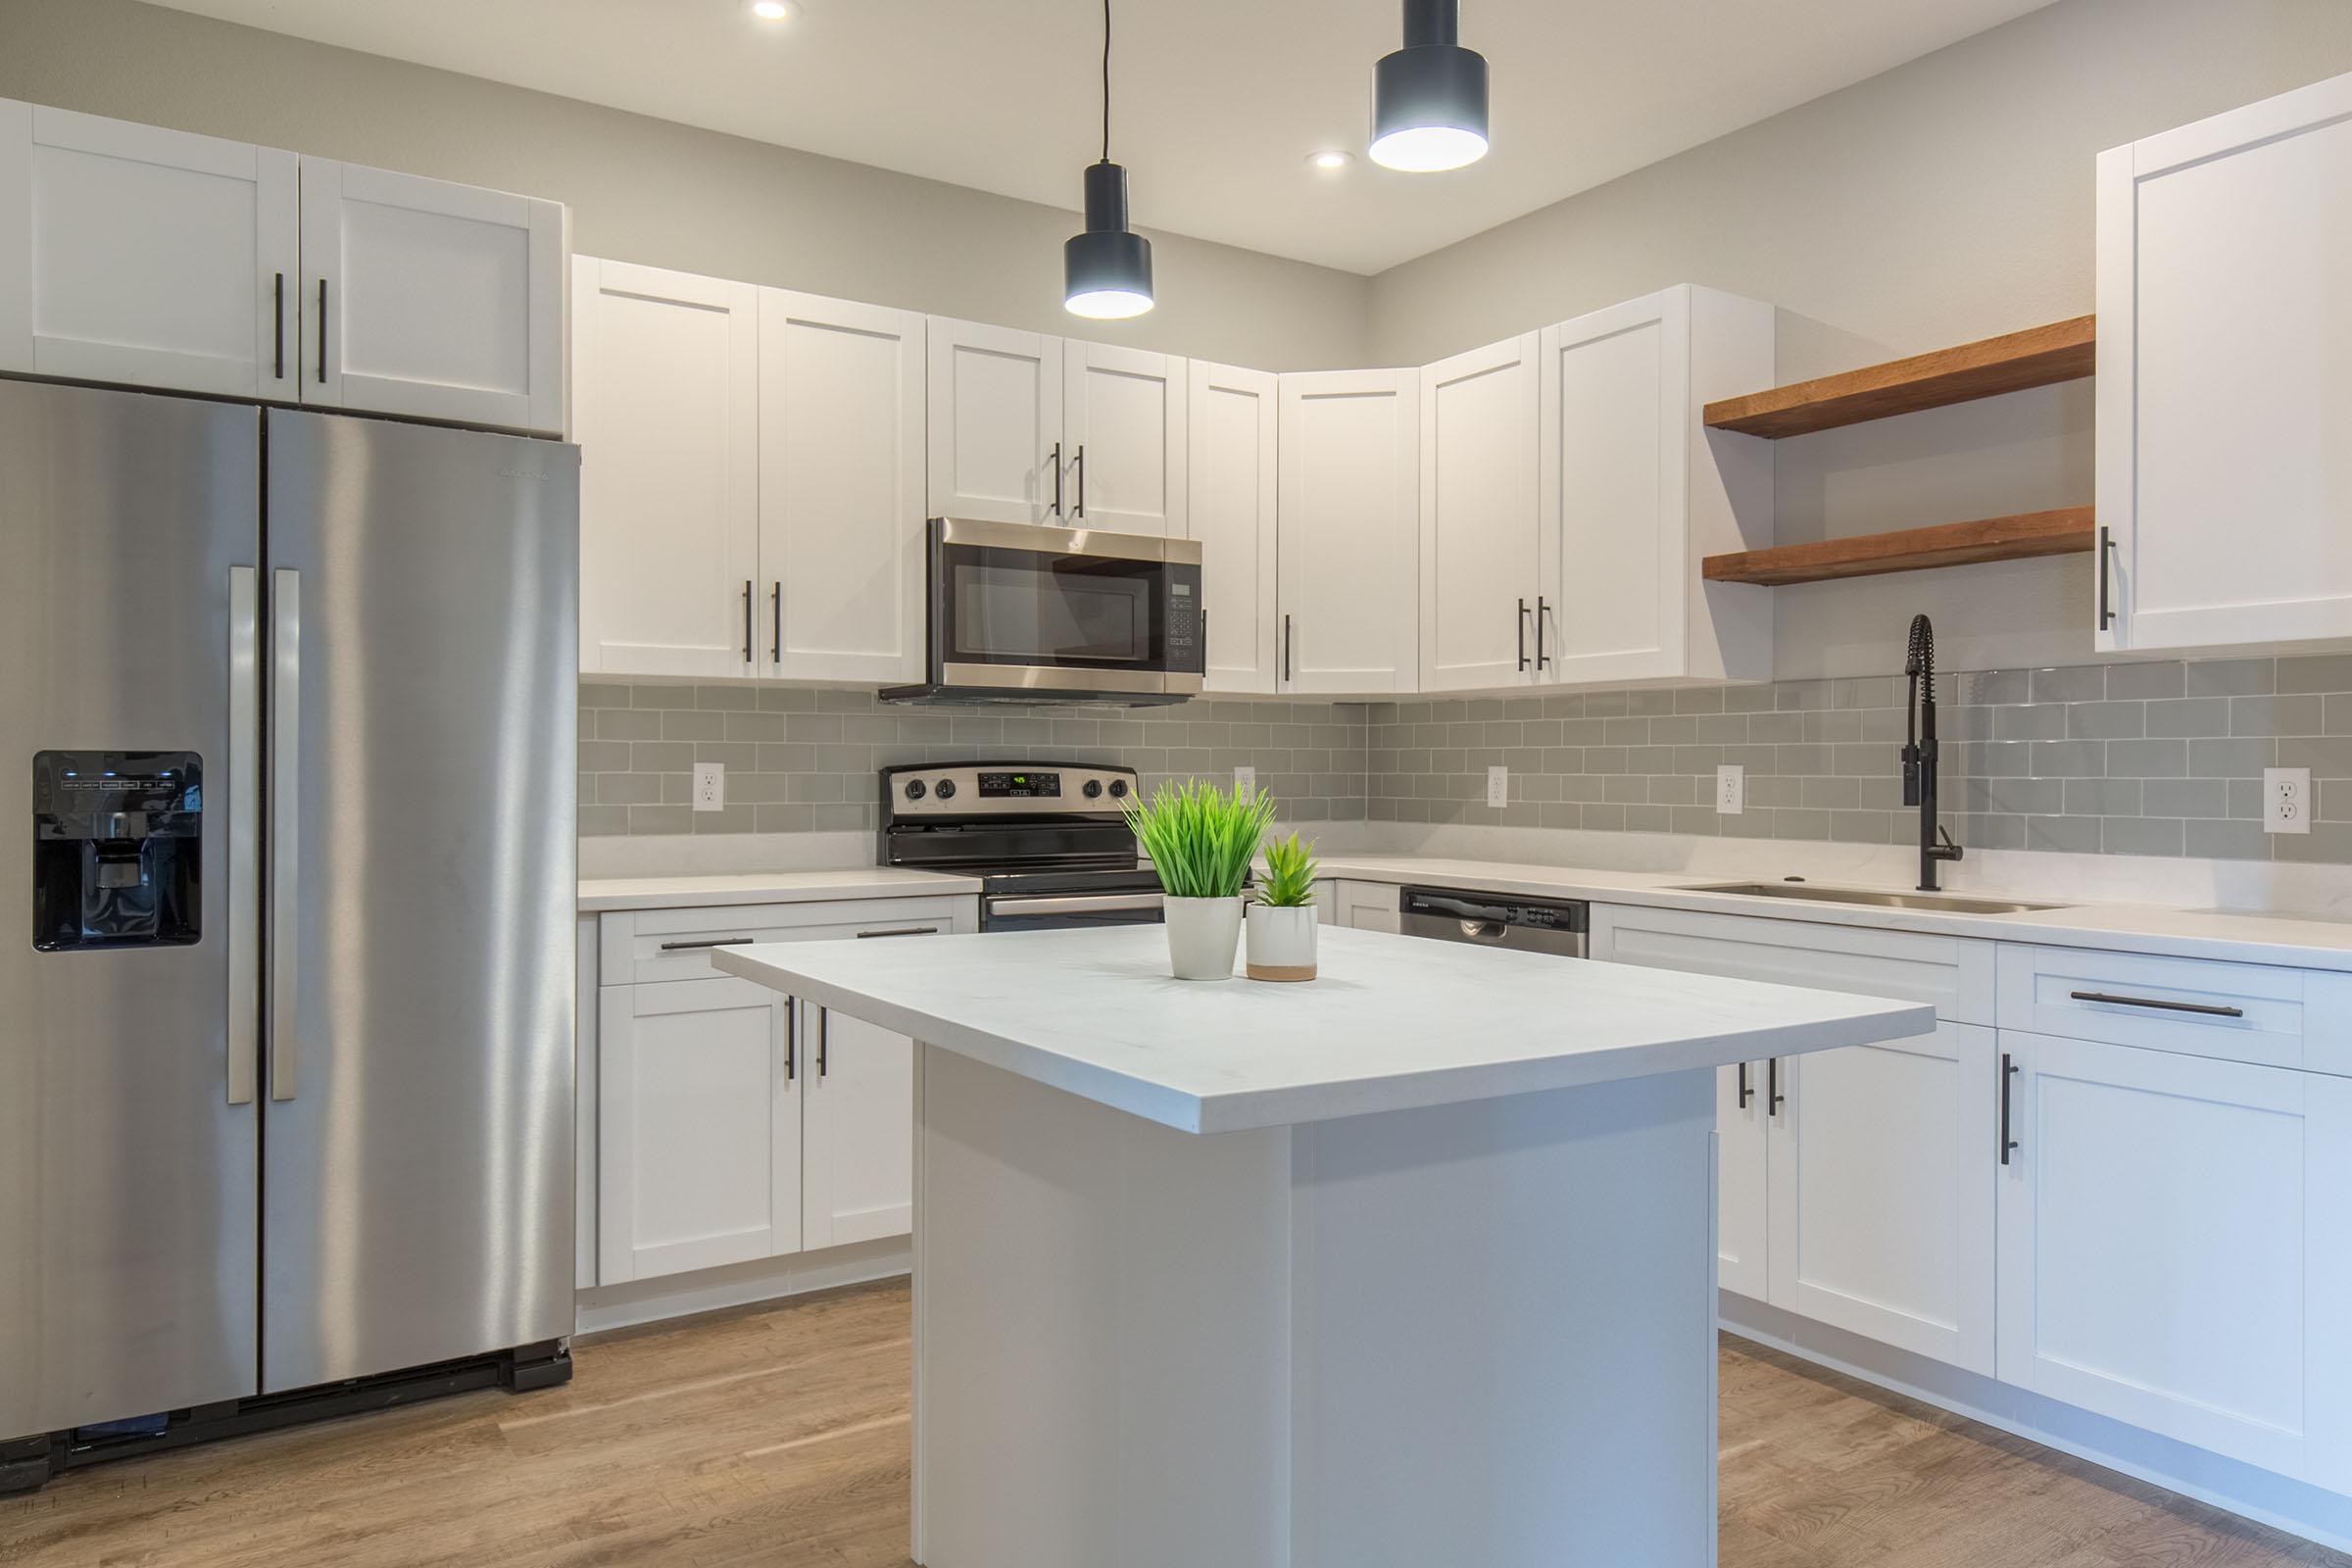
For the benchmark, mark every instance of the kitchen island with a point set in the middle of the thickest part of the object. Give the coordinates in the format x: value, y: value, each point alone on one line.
x: 1413, y: 1264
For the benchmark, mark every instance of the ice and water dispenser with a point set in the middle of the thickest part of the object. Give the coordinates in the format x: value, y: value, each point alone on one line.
x: 118, y: 848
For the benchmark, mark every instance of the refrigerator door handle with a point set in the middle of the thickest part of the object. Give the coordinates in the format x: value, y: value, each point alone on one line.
x: 285, y: 818
x: 244, y: 824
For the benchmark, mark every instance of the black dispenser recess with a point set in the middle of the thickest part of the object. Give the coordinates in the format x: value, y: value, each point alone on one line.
x: 116, y: 852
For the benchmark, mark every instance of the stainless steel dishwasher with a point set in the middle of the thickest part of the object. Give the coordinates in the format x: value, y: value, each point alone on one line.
x: 1495, y: 920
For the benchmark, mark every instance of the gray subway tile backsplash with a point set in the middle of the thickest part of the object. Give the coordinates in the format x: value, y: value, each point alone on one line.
x: 2130, y: 758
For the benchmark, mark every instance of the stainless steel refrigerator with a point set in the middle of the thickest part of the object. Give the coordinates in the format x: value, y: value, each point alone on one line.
x: 288, y: 713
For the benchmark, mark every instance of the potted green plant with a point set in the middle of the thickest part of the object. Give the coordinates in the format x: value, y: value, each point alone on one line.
x: 1283, y: 916
x: 1201, y: 840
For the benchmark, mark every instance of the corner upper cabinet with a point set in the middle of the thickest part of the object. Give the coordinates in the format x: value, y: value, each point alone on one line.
x: 1123, y: 429
x: 1348, y: 476
x: 146, y: 256
x: 1231, y: 455
x: 1633, y: 490
x: 995, y: 448
x: 666, y: 390
x: 840, y: 489
x: 2222, y: 403
x: 431, y: 300
x: 1480, y: 552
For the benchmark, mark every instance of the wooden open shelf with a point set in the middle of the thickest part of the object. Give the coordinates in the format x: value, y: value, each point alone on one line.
x: 2063, y: 351
x: 2065, y: 532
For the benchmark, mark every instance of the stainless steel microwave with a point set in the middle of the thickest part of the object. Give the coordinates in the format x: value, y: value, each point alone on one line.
x: 1034, y: 613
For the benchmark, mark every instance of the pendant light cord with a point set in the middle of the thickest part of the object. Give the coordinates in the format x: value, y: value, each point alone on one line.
x: 1106, y: 80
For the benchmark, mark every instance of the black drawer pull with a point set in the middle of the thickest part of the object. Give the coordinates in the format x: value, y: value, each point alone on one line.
x: 1747, y: 1090
x: 1774, y: 1099
x: 2205, y: 1008
x: 901, y: 931
x: 713, y: 942
x: 2009, y: 1070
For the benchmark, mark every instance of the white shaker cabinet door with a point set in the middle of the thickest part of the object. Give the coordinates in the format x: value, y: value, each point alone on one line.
x: 431, y: 300
x: 1348, y: 475
x: 1479, y: 552
x: 1882, y: 1167
x: 1231, y: 515
x: 2224, y: 476
x: 1123, y: 421
x: 146, y: 256
x: 2176, y: 1250
x: 697, y: 1128
x: 840, y: 489
x: 996, y: 398
x: 666, y: 391
x: 1742, y: 1165
x: 858, y: 1115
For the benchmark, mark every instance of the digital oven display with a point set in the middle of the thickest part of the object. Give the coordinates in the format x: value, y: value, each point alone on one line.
x: 1020, y: 786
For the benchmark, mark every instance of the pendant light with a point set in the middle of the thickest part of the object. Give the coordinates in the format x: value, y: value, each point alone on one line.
x: 1109, y: 267
x: 1429, y: 99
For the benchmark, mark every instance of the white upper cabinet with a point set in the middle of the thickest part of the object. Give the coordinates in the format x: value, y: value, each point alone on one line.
x: 1123, y: 427
x: 996, y: 399
x: 840, y: 489
x: 2222, y: 406
x: 1480, y: 558
x: 147, y: 256
x: 1231, y: 455
x: 1634, y: 491
x: 666, y: 387
x: 1348, y: 476
x: 431, y: 300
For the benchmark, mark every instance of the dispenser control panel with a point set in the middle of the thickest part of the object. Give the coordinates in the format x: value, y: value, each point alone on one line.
x: 118, y: 849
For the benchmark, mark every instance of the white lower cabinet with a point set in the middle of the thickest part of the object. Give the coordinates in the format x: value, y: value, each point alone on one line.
x: 1743, y: 1171
x: 1368, y: 907
x: 857, y: 1131
x: 2175, y: 1247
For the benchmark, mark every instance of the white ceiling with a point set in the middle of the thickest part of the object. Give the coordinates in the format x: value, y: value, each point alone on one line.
x: 1215, y: 106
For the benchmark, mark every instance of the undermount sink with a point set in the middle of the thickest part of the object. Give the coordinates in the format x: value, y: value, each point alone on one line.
x: 1945, y: 903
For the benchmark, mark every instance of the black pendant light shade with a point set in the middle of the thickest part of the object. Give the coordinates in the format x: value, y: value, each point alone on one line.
x: 1109, y: 267
x: 1429, y: 99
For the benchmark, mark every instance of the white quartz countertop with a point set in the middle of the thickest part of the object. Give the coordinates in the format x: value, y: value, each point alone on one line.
x: 1392, y: 1025
x: 2250, y: 937
x: 766, y: 887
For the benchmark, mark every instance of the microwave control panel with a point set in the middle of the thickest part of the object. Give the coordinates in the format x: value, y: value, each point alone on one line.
x: 1184, y: 653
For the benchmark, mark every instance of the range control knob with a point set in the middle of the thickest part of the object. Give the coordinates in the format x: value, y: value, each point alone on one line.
x: 947, y: 789
x: 1094, y: 788
x: 1118, y: 788
x: 916, y: 788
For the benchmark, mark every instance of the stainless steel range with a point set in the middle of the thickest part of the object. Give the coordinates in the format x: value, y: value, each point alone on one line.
x: 1046, y: 838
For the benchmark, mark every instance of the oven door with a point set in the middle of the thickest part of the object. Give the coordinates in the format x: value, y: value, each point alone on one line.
x: 1034, y: 608
x: 1067, y: 912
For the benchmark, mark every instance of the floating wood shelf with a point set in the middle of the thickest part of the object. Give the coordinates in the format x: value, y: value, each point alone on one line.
x: 2063, y: 351
x: 2065, y: 532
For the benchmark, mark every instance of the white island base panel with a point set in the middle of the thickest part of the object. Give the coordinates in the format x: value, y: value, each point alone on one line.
x: 1472, y: 1333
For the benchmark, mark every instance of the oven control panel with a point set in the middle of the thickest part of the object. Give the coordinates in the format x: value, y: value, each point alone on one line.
x: 990, y: 789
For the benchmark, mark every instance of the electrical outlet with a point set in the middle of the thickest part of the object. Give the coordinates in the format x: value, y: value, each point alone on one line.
x: 1244, y: 780
x: 1498, y: 786
x: 2287, y: 804
x: 1731, y: 788
x: 709, y: 786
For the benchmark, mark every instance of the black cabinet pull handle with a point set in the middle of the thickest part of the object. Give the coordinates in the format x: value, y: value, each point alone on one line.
x: 775, y: 601
x: 1286, y: 647
x: 1057, y: 461
x: 1523, y: 660
x: 825, y: 1042
x: 747, y: 620
x: 2008, y: 1071
x: 1774, y: 1099
x: 2205, y: 1009
x: 2106, y: 603
x: 1542, y: 610
x: 277, y: 311
x: 711, y: 942
x: 1747, y: 1090
x: 1079, y: 462
x: 322, y: 332
x: 792, y: 1042
x: 901, y: 931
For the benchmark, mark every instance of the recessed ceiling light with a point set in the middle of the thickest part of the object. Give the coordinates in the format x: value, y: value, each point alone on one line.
x: 773, y: 10
x: 1331, y: 158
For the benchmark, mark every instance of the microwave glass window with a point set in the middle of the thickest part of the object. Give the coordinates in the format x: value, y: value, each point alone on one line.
x: 1016, y: 613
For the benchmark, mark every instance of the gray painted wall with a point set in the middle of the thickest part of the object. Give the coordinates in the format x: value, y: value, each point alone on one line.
x: 650, y: 191
x: 1946, y: 200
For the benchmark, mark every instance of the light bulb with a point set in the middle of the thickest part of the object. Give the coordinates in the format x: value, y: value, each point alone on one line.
x: 1108, y: 304
x: 1330, y: 159
x: 1429, y: 149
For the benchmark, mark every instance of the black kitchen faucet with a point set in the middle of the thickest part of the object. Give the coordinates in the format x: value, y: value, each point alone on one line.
x: 1918, y: 754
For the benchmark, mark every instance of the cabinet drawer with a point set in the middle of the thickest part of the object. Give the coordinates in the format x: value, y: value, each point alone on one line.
x: 647, y: 945
x: 2198, y: 1006
x: 1954, y: 974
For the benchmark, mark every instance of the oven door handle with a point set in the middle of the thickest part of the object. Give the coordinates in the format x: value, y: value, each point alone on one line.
x: 1086, y: 903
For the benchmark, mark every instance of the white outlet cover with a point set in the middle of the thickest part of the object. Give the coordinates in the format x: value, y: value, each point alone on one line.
x: 709, y: 786
x: 1498, y: 786
x: 1244, y: 780
x: 1731, y: 788
x: 2287, y: 802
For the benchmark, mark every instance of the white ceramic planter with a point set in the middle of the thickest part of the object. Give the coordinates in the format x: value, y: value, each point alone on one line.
x: 1202, y: 936
x: 1282, y: 942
